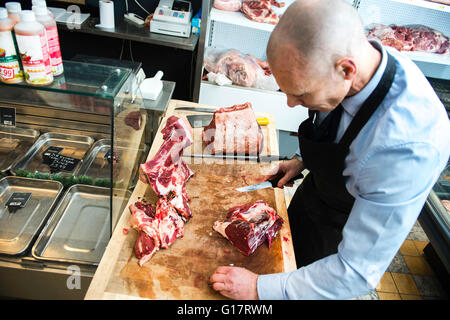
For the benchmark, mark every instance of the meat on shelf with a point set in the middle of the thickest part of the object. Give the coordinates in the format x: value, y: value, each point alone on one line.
x: 261, y: 10
x: 227, y: 5
x: 233, y: 130
x: 248, y: 226
x: 167, y: 174
x: 412, y: 38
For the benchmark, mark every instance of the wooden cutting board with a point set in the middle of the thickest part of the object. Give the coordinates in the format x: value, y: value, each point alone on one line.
x: 182, y: 271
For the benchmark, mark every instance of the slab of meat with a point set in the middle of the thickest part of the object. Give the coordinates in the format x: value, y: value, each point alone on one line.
x: 447, y: 2
x: 167, y: 173
x: 156, y: 228
x: 239, y: 68
x: 227, y: 5
x: 134, y: 119
x: 419, y: 38
x: 233, y: 130
x: 261, y: 10
x: 248, y: 226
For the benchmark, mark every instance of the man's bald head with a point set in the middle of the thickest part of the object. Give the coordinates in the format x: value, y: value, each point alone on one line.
x: 321, y: 31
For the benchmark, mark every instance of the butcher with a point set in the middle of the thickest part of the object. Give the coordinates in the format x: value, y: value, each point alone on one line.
x: 376, y: 139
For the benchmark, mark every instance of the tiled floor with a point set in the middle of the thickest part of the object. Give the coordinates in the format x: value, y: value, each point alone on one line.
x: 409, y: 276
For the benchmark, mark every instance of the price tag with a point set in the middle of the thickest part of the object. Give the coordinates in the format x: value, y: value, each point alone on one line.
x: 58, y: 162
x: 17, y: 200
x: 8, y: 116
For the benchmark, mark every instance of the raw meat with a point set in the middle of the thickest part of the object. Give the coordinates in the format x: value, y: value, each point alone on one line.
x: 239, y: 68
x: 134, y: 119
x: 248, y: 226
x: 263, y: 64
x: 156, y: 228
x: 227, y: 5
x: 261, y: 10
x: 419, y: 38
x: 167, y: 173
x: 447, y: 2
x: 233, y: 130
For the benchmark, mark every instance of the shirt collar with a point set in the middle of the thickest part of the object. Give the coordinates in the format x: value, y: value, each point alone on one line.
x: 352, y: 104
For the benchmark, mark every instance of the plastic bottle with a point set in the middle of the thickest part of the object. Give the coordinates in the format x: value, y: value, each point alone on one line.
x: 33, y: 49
x: 10, y: 71
x: 41, y: 3
x: 14, y: 9
x: 51, y: 31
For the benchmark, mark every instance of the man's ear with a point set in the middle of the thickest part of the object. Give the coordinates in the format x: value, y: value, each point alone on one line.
x: 346, y: 67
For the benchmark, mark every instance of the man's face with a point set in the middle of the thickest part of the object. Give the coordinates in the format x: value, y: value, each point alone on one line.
x: 322, y: 91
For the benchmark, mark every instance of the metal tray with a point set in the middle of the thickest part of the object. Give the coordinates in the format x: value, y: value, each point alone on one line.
x: 95, y: 165
x: 14, y: 142
x: 74, y: 147
x: 17, y: 229
x: 79, y: 229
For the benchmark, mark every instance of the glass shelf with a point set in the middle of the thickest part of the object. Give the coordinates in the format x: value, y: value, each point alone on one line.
x: 85, y: 79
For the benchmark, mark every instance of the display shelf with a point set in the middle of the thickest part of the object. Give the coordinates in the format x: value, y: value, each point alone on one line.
x: 262, y: 101
x: 129, y: 31
x: 238, y: 18
x: 426, y: 4
x: 428, y: 57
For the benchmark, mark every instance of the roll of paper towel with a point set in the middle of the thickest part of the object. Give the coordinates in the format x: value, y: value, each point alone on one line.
x: 106, y: 14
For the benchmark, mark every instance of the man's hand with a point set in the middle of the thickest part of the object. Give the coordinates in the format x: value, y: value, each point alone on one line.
x: 289, y: 169
x: 235, y: 283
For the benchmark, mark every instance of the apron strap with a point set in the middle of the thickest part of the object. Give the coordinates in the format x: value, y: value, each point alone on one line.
x: 371, y: 104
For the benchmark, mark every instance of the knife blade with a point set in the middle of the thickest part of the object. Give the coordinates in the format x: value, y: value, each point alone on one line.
x: 262, y: 158
x: 196, y: 109
x: 267, y: 184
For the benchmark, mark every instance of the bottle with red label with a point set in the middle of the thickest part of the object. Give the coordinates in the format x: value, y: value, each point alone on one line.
x: 10, y: 71
x: 51, y: 31
x: 33, y: 50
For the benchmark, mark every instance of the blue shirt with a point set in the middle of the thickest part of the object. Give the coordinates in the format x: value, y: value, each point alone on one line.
x: 390, y: 169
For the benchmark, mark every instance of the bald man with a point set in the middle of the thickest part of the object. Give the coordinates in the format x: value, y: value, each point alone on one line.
x: 375, y: 142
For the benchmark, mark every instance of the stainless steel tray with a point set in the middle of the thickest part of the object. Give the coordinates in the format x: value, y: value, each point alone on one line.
x: 17, y: 229
x: 95, y: 165
x: 14, y: 142
x: 79, y: 229
x: 74, y: 147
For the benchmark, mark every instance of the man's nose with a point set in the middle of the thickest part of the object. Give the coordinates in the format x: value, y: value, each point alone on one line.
x: 293, y: 101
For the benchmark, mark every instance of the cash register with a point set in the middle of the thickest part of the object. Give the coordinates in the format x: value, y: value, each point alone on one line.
x: 172, y: 17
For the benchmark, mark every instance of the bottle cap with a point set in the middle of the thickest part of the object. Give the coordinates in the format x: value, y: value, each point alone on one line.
x: 3, y: 13
x: 13, y: 7
x: 40, y: 11
x: 27, y: 16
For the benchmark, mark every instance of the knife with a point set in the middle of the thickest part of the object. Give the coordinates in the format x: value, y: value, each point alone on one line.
x: 265, y: 158
x: 266, y: 184
x: 196, y: 109
x: 198, y: 121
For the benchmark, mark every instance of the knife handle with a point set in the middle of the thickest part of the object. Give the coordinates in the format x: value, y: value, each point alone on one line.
x: 263, y: 121
x: 274, y: 181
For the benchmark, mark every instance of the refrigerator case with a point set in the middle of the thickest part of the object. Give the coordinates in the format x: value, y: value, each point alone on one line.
x: 435, y: 218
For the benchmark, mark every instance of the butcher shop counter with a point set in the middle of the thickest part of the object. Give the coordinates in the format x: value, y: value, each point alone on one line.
x: 182, y: 271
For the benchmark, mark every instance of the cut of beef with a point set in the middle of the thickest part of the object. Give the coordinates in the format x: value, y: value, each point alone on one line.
x: 134, y: 119
x: 156, y: 228
x: 418, y: 38
x: 167, y: 172
x: 248, y: 226
x: 227, y: 5
x: 238, y: 68
x: 233, y: 130
x: 261, y: 10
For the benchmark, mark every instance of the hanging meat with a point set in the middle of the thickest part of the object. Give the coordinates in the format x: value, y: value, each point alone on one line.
x: 261, y: 10
x: 167, y: 174
x: 233, y: 130
x: 413, y: 38
x: 248, y: 226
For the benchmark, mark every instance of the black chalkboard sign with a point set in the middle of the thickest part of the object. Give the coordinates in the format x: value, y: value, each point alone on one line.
x: 17, y: 200
x: 8, y: 116
x: 58, y: 162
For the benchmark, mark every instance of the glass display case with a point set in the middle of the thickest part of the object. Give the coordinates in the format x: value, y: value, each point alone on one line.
x: 69, y: 158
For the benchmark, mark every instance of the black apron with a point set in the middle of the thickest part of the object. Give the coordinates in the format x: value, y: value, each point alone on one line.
x: 321, y: 205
